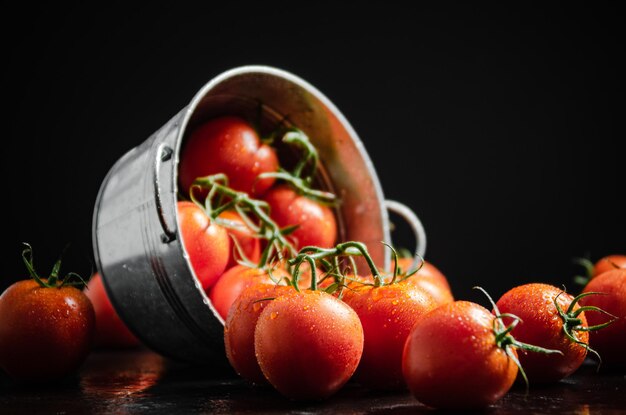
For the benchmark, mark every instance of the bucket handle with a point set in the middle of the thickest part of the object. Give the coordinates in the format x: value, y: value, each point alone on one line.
x: 163, y: 153
x: 416, y: 226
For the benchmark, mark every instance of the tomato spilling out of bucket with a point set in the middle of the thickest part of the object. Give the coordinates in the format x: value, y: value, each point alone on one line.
x: 154, y: 278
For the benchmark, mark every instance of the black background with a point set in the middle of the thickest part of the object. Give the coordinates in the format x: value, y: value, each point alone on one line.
x: 498, y: 126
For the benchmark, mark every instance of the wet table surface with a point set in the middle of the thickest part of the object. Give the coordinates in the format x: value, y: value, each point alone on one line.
x: 140, y: 381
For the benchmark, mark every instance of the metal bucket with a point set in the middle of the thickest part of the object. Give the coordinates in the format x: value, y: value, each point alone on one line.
x: 137, y: 242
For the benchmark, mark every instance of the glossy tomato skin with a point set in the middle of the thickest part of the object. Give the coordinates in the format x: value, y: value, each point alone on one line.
x: 110, y: 332
x: 387, y: 314
x: 247, y: 240
x: 317, y: 224
x: 542, y: 326
x: 430, y: 279
x: 45, y: 333
x: 609, y: 263
x: 206, y: 243
x: 240, y: 325
x: 451, y: 360
x: 308, y: 344
x: 610, y: 341
x: 228, y: 145
x: 234, y: 281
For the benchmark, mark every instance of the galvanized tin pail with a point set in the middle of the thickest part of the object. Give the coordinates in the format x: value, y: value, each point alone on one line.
x: 136, y: 237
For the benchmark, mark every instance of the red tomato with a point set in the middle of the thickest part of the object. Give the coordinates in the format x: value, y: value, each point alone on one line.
x: 430, y: 279
x: 387, y: 314
x: 610, y: 341
x: 308, y: 344
x: 609, y: 263
x: 247, y: 240
x: 541, y: 325
x: 451, y: 359
x: 234, y: 281
x: 240, y: 325
x: 110, y: 329
x: 228, y: 145
x: 316, y: 222
x: 206, y: 243
x: 45, y: 333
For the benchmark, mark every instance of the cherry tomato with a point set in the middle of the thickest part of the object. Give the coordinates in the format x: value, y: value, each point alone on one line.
x: 308, y: 344
x: 451, y: 359
x: 228, y: 145
x: 609, y: 263
x: 240, y: 325
x: 207, y: 244
x: 387, y: 314
x: 610, y: 341
x: 316, y: 222
x: 46, y: 327
x: 542, y: 325
x: 248, y: 242
x: 111, y: 332
x: 234, y: 281
x: 430, y: 279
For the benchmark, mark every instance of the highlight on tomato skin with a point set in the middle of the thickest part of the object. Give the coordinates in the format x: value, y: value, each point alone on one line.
x: 610, y: 342
x: 451, y: 360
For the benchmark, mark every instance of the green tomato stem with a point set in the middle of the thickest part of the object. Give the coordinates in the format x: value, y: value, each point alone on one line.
x: 302, y: 187
x: 53, y: 281
x: 350, y: 248
x: 242, y: 203
x: 299, y: 138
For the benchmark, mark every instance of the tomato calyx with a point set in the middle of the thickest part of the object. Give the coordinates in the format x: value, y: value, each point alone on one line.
x: 330, y: 260
x: 301, y: 178
x: 53, y: 280
x: 505, y: 341
x: 253, y: 212
x: 572, y: 323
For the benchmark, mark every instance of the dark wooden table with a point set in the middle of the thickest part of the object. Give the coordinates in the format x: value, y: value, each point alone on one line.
x: 142, y: 382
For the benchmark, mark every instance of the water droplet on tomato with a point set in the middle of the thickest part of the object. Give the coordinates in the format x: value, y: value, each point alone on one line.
x: 273, y: 315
